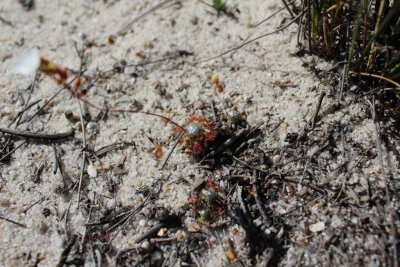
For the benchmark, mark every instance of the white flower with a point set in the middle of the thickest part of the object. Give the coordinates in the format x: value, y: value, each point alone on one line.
x: 28, y: 63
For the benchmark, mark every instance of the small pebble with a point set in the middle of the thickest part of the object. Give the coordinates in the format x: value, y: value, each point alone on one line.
x: 257, y: 222
x: 145, y: 245
x: 93, y: 128
x: 162, y: 232
x: 92, y: 171
x: 157, y: 258
x: 142, y: 223
x: 267, y: 231
x: 110, y: 204
x: 317, y: 227
x: 180, y: 236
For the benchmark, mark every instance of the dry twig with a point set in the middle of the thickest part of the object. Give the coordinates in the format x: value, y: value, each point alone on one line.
x: 252, y: 40
x: 384, y: 176
x: 42, y: 136
x: 12, y: 221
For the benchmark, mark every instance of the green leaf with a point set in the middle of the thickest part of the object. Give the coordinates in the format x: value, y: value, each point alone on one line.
x: 219, y: 5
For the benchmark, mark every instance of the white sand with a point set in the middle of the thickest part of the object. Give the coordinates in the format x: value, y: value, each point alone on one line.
x: 249, y: 75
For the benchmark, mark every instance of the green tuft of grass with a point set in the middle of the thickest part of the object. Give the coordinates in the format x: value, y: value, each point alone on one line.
x: 219, y: 5
x: 356, y: 33
x: 364, y: 34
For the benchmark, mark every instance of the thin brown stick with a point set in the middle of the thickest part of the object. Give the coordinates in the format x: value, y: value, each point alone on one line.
x: 377, y: 76
x: 195, y: 259
x: 288, y: 8
x: 132, y: 111
x: 172, y: 150
x: 103, y: 150
x: 32, y: 205
x: 42, y: 136
x: 66, y: 251
x: 65, y: 86
x: 311, y: 123
x: 14, y: 222
x: 310, y: 185
x: 151, y: 10
x: 149, y: 232
x: 259, y: 204
x: 132, y: 213
x: 286, y: 179
x: 83, y: 152
x: 272, y: 15
x: 83, y: 238
x: 27, y: 105
x: 6, y: 22
x: 384, y: 177
x: 19, y: 114
x: 243, y: 206
x: 12, y: 151
x: 319, y: 104
x: 253, y: 40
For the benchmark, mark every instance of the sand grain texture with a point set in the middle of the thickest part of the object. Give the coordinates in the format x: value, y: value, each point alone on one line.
x: 264, y: 81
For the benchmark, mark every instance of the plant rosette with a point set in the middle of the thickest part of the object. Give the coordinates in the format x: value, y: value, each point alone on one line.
x: 200, y: 132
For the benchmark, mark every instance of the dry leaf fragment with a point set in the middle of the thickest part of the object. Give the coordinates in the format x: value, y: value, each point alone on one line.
x: 218, y: 85
x: 159, y: 153
x: 307, y: 229
x: 40, y: 258
x: 230, y: 254
x: 140, y: 54
x: 193, y: 228
x: 215, y: 79
x: 179, y: 236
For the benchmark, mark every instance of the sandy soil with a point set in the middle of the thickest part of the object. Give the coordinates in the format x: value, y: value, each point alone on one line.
x: 264, y: 81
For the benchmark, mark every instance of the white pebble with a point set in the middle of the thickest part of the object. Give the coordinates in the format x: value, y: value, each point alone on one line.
x: 145, y: 245
x: 92, y: 171
x: 317, y: 227
x: 354, y: 220
x: 28, y: 63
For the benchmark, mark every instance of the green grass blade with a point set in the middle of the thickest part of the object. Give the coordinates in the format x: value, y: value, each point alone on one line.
x: 356, y: 33
x: 218, y: 5
x: 394, y: 10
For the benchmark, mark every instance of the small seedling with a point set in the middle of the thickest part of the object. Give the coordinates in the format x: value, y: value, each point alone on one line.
x: 233, y: 117
x: 219, y: 5
x: 210, y: 196
x: 205, y: 216
x: 206, y: 204
x: 200, y: 132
